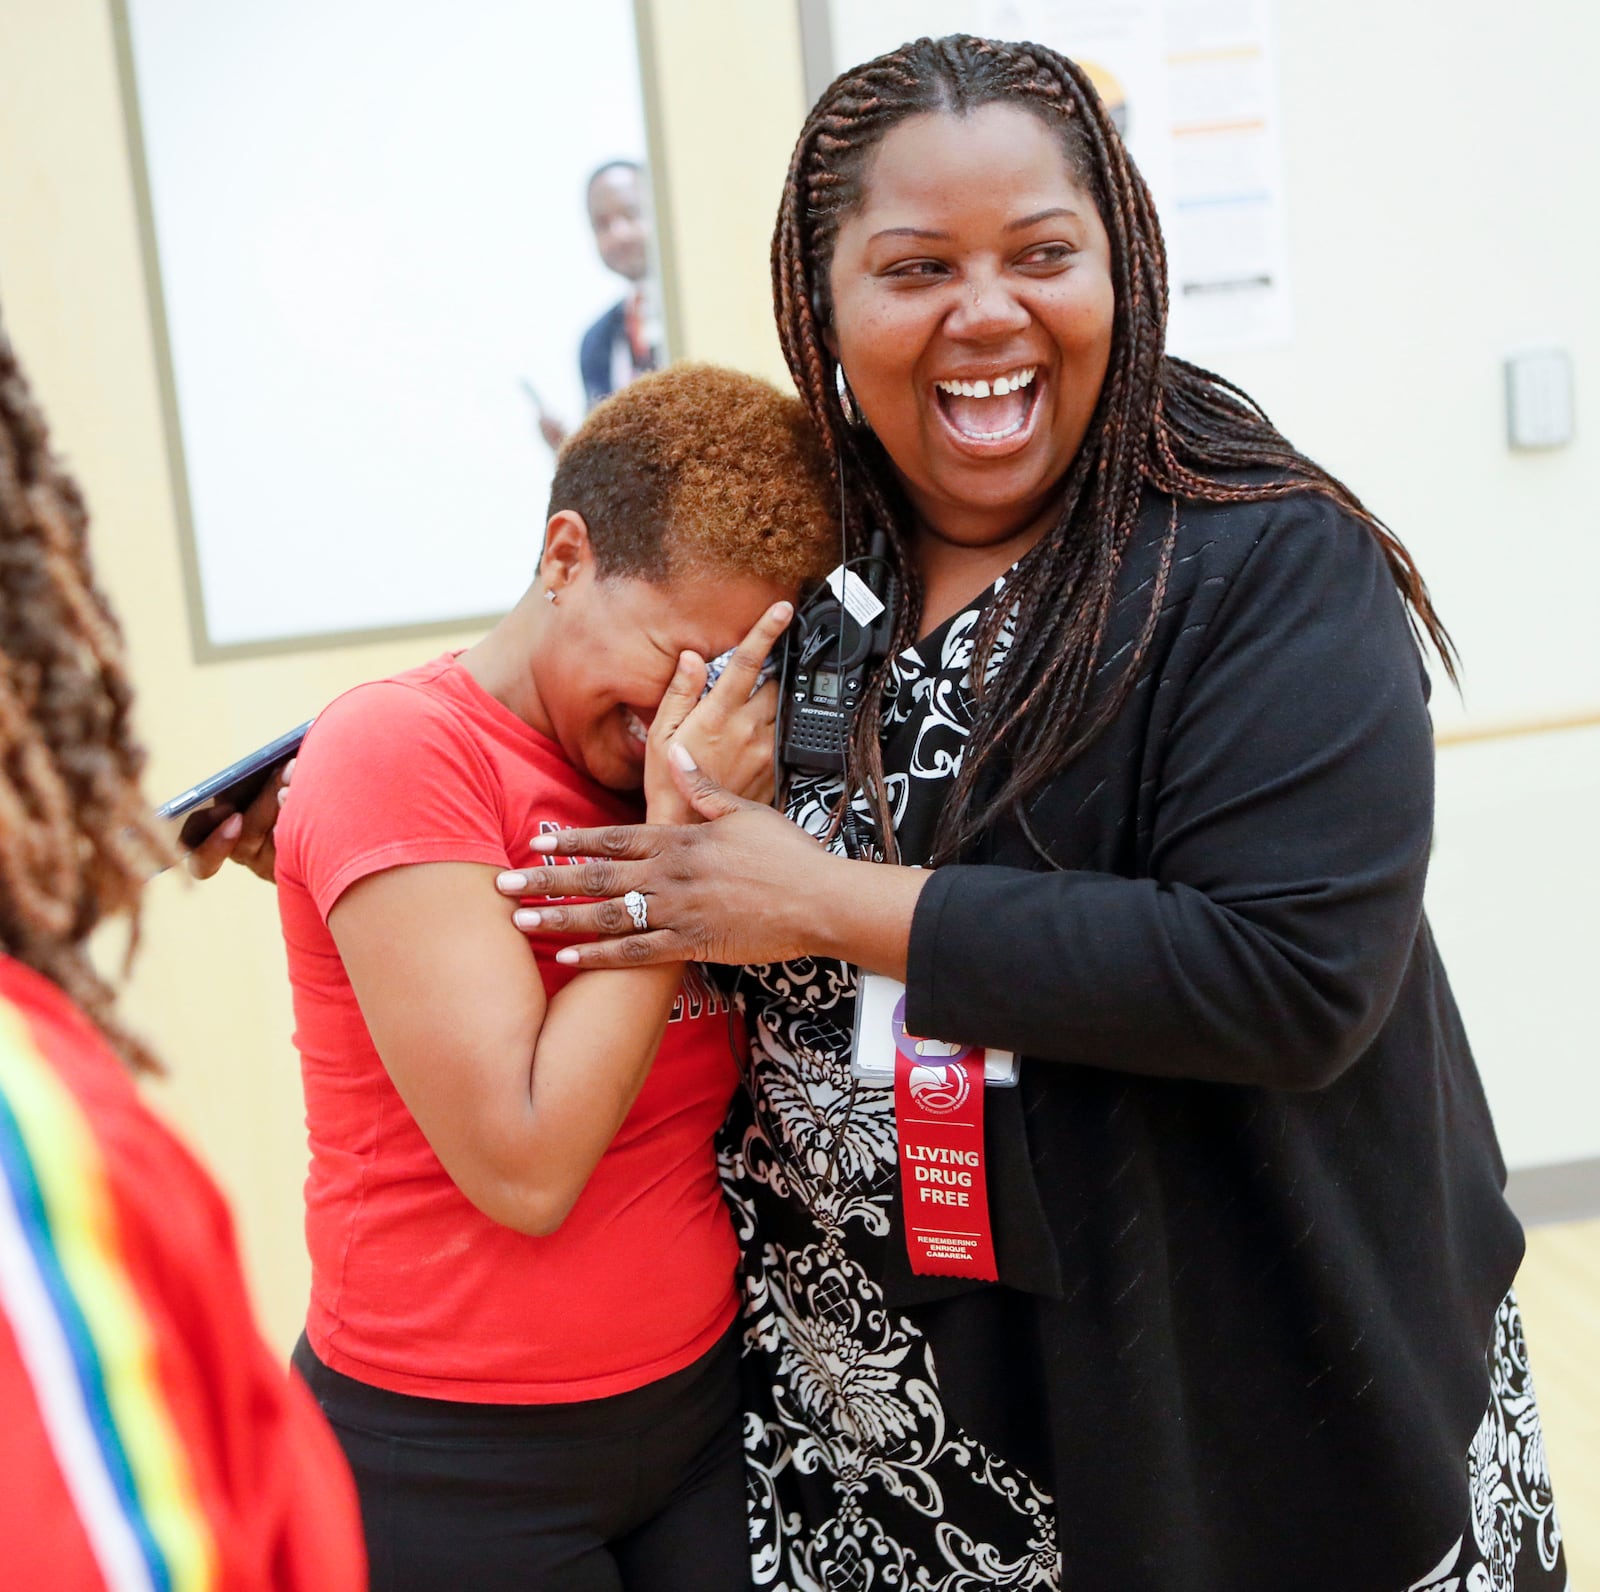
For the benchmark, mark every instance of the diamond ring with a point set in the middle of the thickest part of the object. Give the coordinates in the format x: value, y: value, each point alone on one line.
x: 638, y: 910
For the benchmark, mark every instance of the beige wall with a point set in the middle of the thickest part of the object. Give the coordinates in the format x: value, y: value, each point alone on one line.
x: 209, y: 986
x: 1515, y: 867
x: 1434, y: 158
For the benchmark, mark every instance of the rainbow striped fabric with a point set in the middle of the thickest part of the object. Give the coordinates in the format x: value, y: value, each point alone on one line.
x: 85, y: 1336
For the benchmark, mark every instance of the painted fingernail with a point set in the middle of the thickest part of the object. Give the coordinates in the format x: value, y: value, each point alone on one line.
x: 679, y: 753
x: 511, y: 883
x: 568, y: 956
x: 543, y: 843
x: 526, y: 918
x: 230, y: 827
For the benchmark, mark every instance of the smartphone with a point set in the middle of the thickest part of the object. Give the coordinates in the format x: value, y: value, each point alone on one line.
x: 230, y: 790
x: 714, y: 669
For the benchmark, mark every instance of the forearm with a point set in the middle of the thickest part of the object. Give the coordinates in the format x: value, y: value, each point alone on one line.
x: 593, y: 1052
x: 1134, y: 976
x: 859, y: 912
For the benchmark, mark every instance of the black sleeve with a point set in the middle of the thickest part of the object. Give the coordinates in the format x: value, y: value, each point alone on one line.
x: 1288, y: 851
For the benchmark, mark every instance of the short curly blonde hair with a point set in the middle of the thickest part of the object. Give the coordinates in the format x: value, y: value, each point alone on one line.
x: 697, y: 469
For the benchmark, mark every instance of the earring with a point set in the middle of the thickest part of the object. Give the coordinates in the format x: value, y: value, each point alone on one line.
x: 847, y: 400
x: 549, y: 595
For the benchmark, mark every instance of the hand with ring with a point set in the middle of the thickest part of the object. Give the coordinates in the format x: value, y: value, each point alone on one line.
x: 674, y: 892
x: 745, y: 885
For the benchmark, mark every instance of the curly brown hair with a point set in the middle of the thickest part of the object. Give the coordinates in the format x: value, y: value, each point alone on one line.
x: 77, y: 840
x: 699, y: 469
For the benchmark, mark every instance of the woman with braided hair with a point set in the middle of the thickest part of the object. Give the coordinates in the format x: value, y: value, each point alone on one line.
x: 1142, y: 792
x: 150, y: 1437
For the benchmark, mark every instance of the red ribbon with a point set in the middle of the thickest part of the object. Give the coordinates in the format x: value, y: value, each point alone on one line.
x: 944, y: 1190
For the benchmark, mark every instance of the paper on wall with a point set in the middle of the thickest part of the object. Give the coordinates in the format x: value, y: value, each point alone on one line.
x: 1191, y: 86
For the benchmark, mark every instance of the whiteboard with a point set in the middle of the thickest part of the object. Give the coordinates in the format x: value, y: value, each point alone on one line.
x: 370, y: 226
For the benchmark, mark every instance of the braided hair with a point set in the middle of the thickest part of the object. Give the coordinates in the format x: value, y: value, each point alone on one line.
x: 76, y: 838
x: 1160, y: 424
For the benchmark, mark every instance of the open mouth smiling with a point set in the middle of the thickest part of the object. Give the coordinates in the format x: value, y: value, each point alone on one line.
x: 991, y: 411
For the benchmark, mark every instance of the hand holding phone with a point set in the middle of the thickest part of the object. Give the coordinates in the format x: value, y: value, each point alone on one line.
x: 248, y: 789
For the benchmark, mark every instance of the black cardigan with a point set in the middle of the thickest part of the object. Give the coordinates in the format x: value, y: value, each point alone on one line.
x: 1247, y: 1199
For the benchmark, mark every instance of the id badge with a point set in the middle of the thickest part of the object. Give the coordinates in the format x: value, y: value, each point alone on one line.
x: 880, y: 1034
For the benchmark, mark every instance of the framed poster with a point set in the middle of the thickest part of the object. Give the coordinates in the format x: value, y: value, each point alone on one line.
x: 377, y: 236
x: 1192, y: 87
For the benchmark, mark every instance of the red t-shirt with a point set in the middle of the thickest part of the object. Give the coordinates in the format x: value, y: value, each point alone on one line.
x: 149, y: 1436
x: 412, y: 1287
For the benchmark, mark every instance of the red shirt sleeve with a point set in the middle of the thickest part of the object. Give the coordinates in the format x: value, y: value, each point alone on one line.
x: 388, y: 776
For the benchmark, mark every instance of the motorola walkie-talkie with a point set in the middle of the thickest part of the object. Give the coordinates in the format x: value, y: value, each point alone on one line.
x: 835, y: 639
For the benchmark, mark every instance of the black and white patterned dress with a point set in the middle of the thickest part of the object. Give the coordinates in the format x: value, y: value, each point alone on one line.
x: 858, y: 1479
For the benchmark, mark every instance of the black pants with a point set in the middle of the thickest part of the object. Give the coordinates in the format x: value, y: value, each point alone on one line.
x: 641, y: 1492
